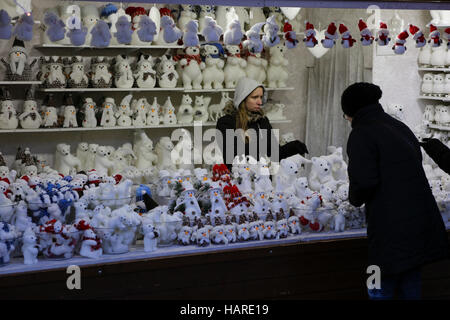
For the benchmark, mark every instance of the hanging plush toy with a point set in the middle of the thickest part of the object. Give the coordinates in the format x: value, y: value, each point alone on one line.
x: 212, y: 31
x: 435, y: 40
x: 77, y: 33
x: 55, y: 27
x: 383, y: 35
x: 124, y: 30
x: 100, y: 34
x: 399, y: 46
x: 417, y: 36
x: 366, y: 34
x: 290, y: 36
x: 310, y: 36
x: 253, y: 43
x: 24, y: 27
x: 271, y: 28
x: 170, y: 31
x: 330, y: 36
x: 147, y: 29
x: 447, y: 36
x: 5, y: 25
x: 347, y: 40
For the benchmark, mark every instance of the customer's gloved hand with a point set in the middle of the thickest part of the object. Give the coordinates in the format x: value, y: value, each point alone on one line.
x: 432, y: 145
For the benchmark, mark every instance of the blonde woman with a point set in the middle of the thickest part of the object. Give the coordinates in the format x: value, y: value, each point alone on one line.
x: 246, y: 112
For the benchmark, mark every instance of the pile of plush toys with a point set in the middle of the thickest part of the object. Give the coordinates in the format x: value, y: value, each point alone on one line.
x: 94, y: 211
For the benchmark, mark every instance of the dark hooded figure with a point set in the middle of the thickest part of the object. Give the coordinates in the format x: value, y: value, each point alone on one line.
x: 405, y: 229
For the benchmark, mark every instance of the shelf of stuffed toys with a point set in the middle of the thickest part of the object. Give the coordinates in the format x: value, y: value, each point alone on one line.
x: 434, y: 69
x: 100, y: 129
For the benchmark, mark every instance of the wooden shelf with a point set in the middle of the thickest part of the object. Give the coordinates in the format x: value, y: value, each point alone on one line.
x: 434, y: 69
x: 131, y: 47
x: 7, y: 82
x: 162, y: 126
x: 148, y: 89
x: 439, y: 127
x: 106, y: 89
x: 444, y: 99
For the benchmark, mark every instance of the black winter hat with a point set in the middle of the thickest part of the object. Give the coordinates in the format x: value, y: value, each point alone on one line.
x: 359, y: 95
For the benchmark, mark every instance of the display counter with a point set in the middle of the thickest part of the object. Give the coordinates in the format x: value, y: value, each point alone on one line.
x: 324, y: 265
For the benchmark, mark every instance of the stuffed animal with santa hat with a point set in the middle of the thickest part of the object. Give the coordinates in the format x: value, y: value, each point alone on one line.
x: 383, y: 35
x: 417, y: 36
x: 399, y: 46
x: 366, y: 34
x: 330, y: 36
x: 447, y: 36
x: 347, y: 40
x: 310, y: 36
x: 290, y: 37
x: 435, y: 40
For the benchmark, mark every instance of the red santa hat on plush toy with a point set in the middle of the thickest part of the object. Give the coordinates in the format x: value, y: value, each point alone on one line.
x: 401, y: 38
x: 417, y: 35
x: 366, y: 34
x: 435, y: 40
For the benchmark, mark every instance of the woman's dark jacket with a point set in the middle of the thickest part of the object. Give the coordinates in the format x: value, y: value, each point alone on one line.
x: 439, y: 152
x: 404, y: 225
x: 229, y: 122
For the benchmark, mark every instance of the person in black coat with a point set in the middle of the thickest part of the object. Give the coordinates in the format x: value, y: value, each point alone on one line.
x: 246, y: 112
x: 437, y: 151
x: 405, y: 229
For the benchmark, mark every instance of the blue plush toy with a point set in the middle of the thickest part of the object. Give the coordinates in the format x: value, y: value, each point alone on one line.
x: 55, y: 27
x: 24, y: 27
x: 5, y: 25
x: 77, y: 36
x: 170, y: 31
x: 124, y: 30
x: 147, y: 29
x: 100, y: 34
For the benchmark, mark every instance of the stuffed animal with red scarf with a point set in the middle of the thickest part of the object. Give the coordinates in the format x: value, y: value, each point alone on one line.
x: 347, y: 40
x: 417, y: 36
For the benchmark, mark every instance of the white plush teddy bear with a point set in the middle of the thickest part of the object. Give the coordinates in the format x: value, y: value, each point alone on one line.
x: 190, y: 62
x: 108, y: 114
x: 338, y: 165
x: 185, y: 111
x: 163, y: 150
x: 285, y: 178
x: 91, y: 245
x: 256, y: 67
x: 151, y: 234
x: 102, y: 163
x: 29, y: 247
x: 65, y: 162
x: 277, y: 73
x: 143, y: 149
x: 320, y: 173
x: 213, y: 74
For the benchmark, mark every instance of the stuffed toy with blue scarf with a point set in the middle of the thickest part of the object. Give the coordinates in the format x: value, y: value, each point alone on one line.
x: 55, y: 27
x: 5, y: 25
x: 213, y: 75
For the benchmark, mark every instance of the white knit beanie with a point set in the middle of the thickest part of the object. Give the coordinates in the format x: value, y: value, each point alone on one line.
x: 244, y: 87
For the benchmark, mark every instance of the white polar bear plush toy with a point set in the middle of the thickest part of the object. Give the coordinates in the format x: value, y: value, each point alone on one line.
x: 201, y: 108
x: 29, y: 247
x: 320, y: 173
x: 151, y: 234
x: 190, y: 62
x: 256, y: 67
x: 235, y: 66
x: 185, y: 111
x: 277, y: 73
x: 102, y: 162
x: 338, y: 165
x: 91, y: 245
x: 143, y: 149
x: 82, y: 153
x: 65, y: 162
x: 285, y: 178
x: 163, y: 150
x: 213, y: 74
